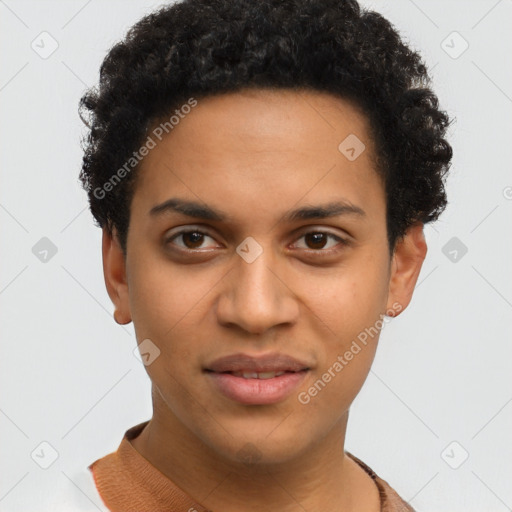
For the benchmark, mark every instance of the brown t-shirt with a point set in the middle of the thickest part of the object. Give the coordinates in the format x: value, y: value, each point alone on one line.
x: 127, y: 482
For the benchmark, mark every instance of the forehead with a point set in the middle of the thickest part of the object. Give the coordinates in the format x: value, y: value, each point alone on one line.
x: 269, y: 120
x: 263, y: 147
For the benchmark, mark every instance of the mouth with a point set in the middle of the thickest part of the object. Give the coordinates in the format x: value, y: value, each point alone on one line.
x: 259, y: 380
x: 260, y: 364
x: 257, y: 375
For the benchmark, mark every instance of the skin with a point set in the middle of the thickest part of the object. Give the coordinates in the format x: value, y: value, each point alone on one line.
x: 255, y: 155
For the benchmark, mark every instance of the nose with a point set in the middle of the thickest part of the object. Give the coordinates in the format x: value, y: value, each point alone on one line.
x: 256, y: 296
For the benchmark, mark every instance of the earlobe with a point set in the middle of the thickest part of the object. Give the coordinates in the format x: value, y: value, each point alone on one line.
x: 407, y: 260
x: 114, y: 272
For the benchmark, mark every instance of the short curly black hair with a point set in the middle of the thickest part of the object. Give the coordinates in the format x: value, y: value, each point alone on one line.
x: 200, y: 48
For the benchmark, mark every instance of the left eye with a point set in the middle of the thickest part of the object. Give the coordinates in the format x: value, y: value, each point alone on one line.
x: 319, y: 240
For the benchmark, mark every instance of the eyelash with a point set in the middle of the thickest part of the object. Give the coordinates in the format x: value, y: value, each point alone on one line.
x: 341, y: 241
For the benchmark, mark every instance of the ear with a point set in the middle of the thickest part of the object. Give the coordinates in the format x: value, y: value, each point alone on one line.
x: 114, y: 272
x: 408, y: 257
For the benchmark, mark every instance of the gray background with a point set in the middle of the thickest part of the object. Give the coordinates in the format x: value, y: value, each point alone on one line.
x: 440, y: 387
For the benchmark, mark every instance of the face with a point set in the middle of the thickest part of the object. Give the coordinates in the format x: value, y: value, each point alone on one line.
x: 281, y: 264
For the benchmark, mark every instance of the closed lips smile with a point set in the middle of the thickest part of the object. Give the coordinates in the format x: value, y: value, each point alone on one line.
x: 252, y: 380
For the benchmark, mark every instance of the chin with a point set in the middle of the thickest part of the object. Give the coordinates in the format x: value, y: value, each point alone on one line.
x: 260, y: 451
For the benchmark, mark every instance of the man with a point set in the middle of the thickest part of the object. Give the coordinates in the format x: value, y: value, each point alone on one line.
x: 262, y: 172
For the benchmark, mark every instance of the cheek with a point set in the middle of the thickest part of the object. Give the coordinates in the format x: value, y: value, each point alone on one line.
x: 349, y: 312
x: 168, y: 307
x: 345, y: 354
x: 347, y: 303
x: 163, y: 296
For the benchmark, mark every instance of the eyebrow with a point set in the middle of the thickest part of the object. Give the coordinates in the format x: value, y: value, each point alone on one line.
x: 202, y: 211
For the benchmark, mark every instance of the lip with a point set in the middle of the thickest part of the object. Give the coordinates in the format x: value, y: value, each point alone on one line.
x: 255, y: 391
x: 273, y: 362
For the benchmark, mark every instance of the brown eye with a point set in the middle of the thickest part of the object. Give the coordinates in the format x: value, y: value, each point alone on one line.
x: 321, y: 242
x: 192, y: 240
x: 189, y: 240
x: 316, y: 240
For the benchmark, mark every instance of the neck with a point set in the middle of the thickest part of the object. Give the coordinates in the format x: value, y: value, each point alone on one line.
x: 322, y: 477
